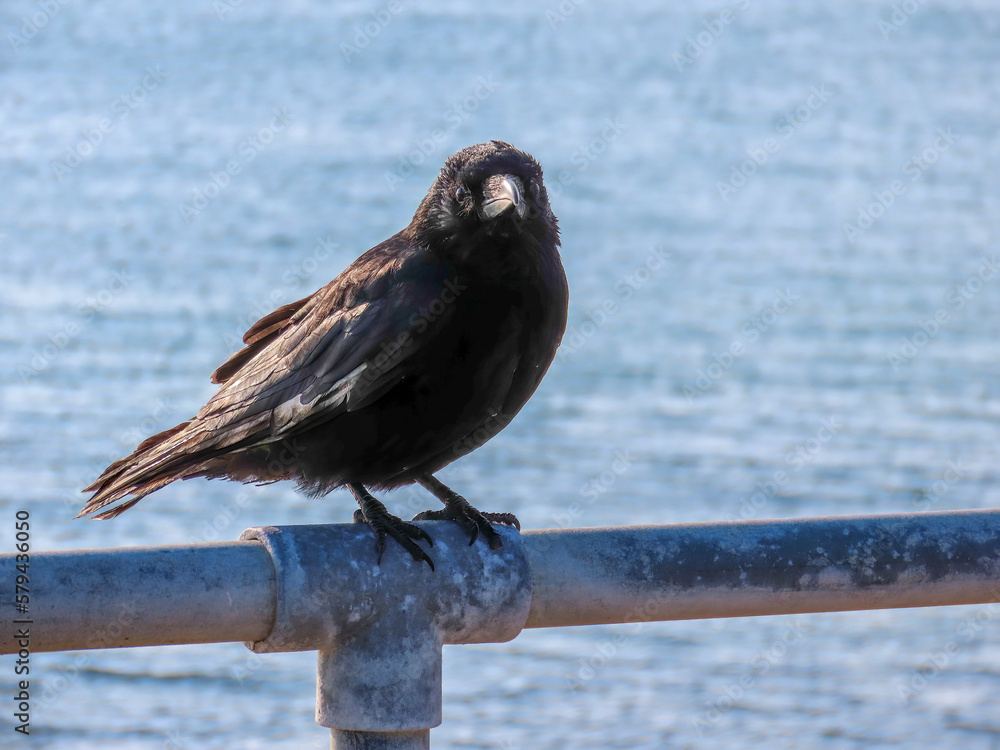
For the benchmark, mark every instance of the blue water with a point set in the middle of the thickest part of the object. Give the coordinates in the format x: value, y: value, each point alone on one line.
x: 217, y: 160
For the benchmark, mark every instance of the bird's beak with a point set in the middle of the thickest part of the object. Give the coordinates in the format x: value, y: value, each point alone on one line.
x: 508, y: 194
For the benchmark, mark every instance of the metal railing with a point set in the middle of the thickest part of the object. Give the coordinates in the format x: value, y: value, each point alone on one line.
x: 379, y: 629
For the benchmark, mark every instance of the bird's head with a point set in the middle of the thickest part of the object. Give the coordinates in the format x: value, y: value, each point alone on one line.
x: 487, y: 193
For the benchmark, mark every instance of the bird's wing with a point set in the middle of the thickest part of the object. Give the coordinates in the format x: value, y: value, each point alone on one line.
x: 259, y: 335
x: 329, y: 360
x: 335, y: 351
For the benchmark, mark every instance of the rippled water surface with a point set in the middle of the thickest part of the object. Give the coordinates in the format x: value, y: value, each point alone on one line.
x: 780, y: 227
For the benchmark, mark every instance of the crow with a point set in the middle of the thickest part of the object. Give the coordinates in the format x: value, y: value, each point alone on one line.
x: 419, y: 352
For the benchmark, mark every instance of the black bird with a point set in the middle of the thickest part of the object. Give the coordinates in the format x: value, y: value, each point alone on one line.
x: 423, y: 349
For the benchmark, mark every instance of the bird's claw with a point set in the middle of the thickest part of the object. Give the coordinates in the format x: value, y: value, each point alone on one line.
x: 473, y: 521
x: 385, y: 524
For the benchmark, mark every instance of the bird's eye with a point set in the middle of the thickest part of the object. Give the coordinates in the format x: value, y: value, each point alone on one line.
x: 461, y: 193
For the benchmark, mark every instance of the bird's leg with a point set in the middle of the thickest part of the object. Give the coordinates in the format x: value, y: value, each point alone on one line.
x: 383, y: 523
x: 458, y: 509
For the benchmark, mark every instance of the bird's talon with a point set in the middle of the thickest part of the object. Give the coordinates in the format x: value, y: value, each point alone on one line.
x: 384, y: 524
x: 473, y: 521
x: 417, y: 533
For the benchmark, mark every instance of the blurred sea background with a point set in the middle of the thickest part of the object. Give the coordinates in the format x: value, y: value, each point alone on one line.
x: 780, y: 228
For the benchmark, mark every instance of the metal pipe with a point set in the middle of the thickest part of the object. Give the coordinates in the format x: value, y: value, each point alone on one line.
x: 141, y: 596
x: 742, y: 568
x: 227, y: 592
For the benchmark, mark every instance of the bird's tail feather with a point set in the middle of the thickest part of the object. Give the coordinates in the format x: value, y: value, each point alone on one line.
x: 156, y: 462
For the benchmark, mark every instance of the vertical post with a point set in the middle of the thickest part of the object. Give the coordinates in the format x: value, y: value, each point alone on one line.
x: 345, y: 739
x: 387, y: 678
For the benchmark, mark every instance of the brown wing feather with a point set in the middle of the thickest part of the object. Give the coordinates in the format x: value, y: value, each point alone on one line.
x: 258, y: 336
x: 160, y: 437
x: 273, y: 321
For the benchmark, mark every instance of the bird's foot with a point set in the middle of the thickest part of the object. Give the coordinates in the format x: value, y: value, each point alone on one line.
x: 473, y: 521
x: 384, y: 524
